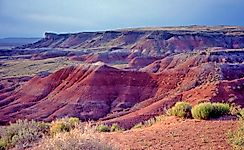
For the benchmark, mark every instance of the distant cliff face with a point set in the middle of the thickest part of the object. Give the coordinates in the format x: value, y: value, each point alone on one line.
x: 139, y: 47
x: 149, y: 41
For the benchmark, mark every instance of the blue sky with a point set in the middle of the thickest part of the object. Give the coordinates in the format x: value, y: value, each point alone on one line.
x: 31, y: 18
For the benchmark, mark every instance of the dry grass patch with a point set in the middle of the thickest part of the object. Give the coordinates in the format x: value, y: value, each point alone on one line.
x: 80, y: 138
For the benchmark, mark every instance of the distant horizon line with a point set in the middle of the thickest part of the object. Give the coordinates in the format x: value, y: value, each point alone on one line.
x: 115, y: 29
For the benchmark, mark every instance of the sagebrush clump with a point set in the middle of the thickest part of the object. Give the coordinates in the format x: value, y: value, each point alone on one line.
x: 22, y: 133
x: 138, y: 125
x: 149, y: 122
x: 209, y: 110
x: 220, y: 109
x: 3, y: 144
x: 62, y: 134
x: 241, y: 114
x: 115, y: 127
x: 103, y: 128
x: 202, y: 111
x: 75, y: 139
x: 63, y: 125
x: 181, y: 109
x: 106, y: 128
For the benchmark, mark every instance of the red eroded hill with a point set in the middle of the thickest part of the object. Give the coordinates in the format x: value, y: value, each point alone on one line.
x: 189, y: 77
x: 88, y: 92
x: 98, y: 91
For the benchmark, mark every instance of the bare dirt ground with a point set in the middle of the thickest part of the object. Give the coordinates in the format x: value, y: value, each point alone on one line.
x: 176, y: 134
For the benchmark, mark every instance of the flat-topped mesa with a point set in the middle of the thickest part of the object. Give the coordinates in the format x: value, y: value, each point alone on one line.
x: 53, y: 36
x: 149, y: 41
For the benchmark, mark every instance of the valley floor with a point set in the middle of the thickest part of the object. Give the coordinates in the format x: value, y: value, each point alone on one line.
x: 176, y: 134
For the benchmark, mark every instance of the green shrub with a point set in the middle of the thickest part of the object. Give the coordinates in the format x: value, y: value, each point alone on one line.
x: 181, y: 109
x: 58, y: 127
x: 202, y: 111
x: 103, y: 128
x: 76, y: 139
x: 115, y: 127
x: 3, y: 144
x: 236, y: 138
x: 241, y: 114
x: 22, y: 133
x: 149, y: 122
x: 138, y: 125
x: 146, y: 123
x: 73, y: 121
x: 209, y: 110
x: 63, y: 125
x: 220, y: 109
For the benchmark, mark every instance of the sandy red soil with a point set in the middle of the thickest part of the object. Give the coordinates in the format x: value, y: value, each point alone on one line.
x: 176, y: 134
